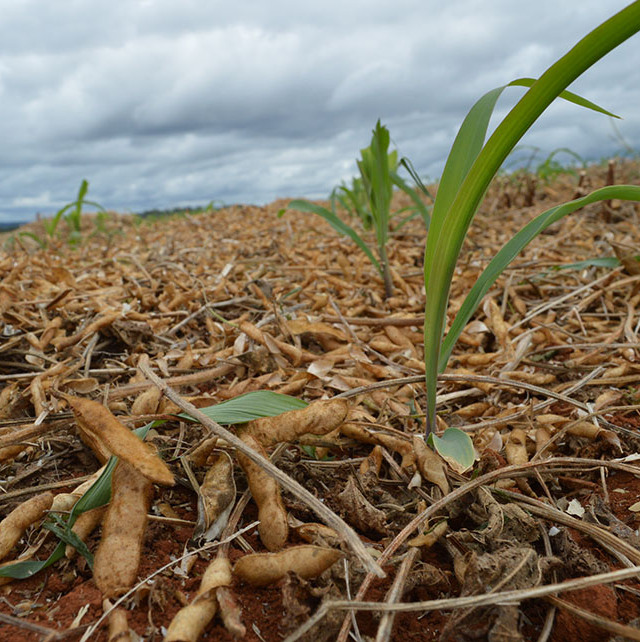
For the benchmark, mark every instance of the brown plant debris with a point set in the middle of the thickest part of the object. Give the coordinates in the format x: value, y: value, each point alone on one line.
x: 545, y: 379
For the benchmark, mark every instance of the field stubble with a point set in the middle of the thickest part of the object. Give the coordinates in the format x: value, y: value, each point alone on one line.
x: 238, y: 300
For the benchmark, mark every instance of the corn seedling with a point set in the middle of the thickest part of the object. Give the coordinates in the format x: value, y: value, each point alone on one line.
x: 469, y: 169
x: 550, y: 168
x: 72, y: 214
x: 370, y: 201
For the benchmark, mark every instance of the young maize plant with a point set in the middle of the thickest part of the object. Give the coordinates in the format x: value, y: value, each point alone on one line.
x: 370, y: 199
x: 72, y: 214
x: 470, y: 167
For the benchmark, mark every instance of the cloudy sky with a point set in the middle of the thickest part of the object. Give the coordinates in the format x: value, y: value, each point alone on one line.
x: 160, y: 103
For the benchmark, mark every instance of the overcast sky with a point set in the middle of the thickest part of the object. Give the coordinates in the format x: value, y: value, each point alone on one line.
x: 160, y: 103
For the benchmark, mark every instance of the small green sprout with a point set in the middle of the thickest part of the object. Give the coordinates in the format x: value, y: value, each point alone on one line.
x: 369, y: 199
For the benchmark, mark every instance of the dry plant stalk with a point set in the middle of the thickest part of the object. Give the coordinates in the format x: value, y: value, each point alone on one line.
x: 262, y: 569
x: 118, y: 555
x: 99, y: 424
x: 13, y: 526
x: 191, y: 620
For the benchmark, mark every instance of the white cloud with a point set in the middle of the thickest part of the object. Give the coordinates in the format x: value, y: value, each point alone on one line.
x: 158, y: 103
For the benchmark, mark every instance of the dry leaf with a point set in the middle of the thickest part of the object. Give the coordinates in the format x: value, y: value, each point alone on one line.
x: 359, y: 511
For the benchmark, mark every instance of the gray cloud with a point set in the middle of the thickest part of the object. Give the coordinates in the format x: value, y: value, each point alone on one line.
x: 158, y: 103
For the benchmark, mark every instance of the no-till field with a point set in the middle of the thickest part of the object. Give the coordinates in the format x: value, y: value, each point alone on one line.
x: 545, y: 379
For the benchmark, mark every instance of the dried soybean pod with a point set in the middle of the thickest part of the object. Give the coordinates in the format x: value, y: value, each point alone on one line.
x: 401, y: 446
x: 20, y: 518
x: 200, y: 455
x: 97, y: 421
x: 318, y: 418
x: 215, y: 498
x: 262, y: 569
x: 584, y: 429
x: 318, y: 534
x: 515, y: 448
x: 118, y: 555
x: 273, y: 527
x: 84, y: 526
x: 430, y: 464
x: 191, y: 620
x: 119, y: 626
x: 146, y: 402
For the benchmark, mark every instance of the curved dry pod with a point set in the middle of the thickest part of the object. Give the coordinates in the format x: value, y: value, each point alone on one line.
x: 13, y: 526
x: 118, y: 556
x: 262, y: 569
x: 99, y: 424
x: 318, y: 418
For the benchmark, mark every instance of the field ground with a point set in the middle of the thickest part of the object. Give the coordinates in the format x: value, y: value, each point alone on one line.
x: 548, y: 371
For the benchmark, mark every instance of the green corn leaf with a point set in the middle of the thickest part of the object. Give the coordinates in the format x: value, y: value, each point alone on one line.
x: 338, y: 225
x: 418, y: 205
x: 381, y: 187
x: 455, y: 447
x: 515, y: 245
x: 408, y: 165
x: 569, y: 96
x: 469, y: 171
x: 96, y: 205
x: 51, y: 226
x: 22, y: 570
x: 601, y: 261
x: 251, y: 405
x: 466, y: 147
x: 58, y: 526
x: 75, y: 215
x: 32, y: 235
x: 375, y: 172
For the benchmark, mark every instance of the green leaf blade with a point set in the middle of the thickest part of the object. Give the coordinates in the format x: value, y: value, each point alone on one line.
x: 338, y: 225
x: 249, y: 406
x: 443, y: 247
x: 514, y: 246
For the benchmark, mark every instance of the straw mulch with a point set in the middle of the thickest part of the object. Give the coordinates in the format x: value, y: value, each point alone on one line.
x: 545, y: 380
